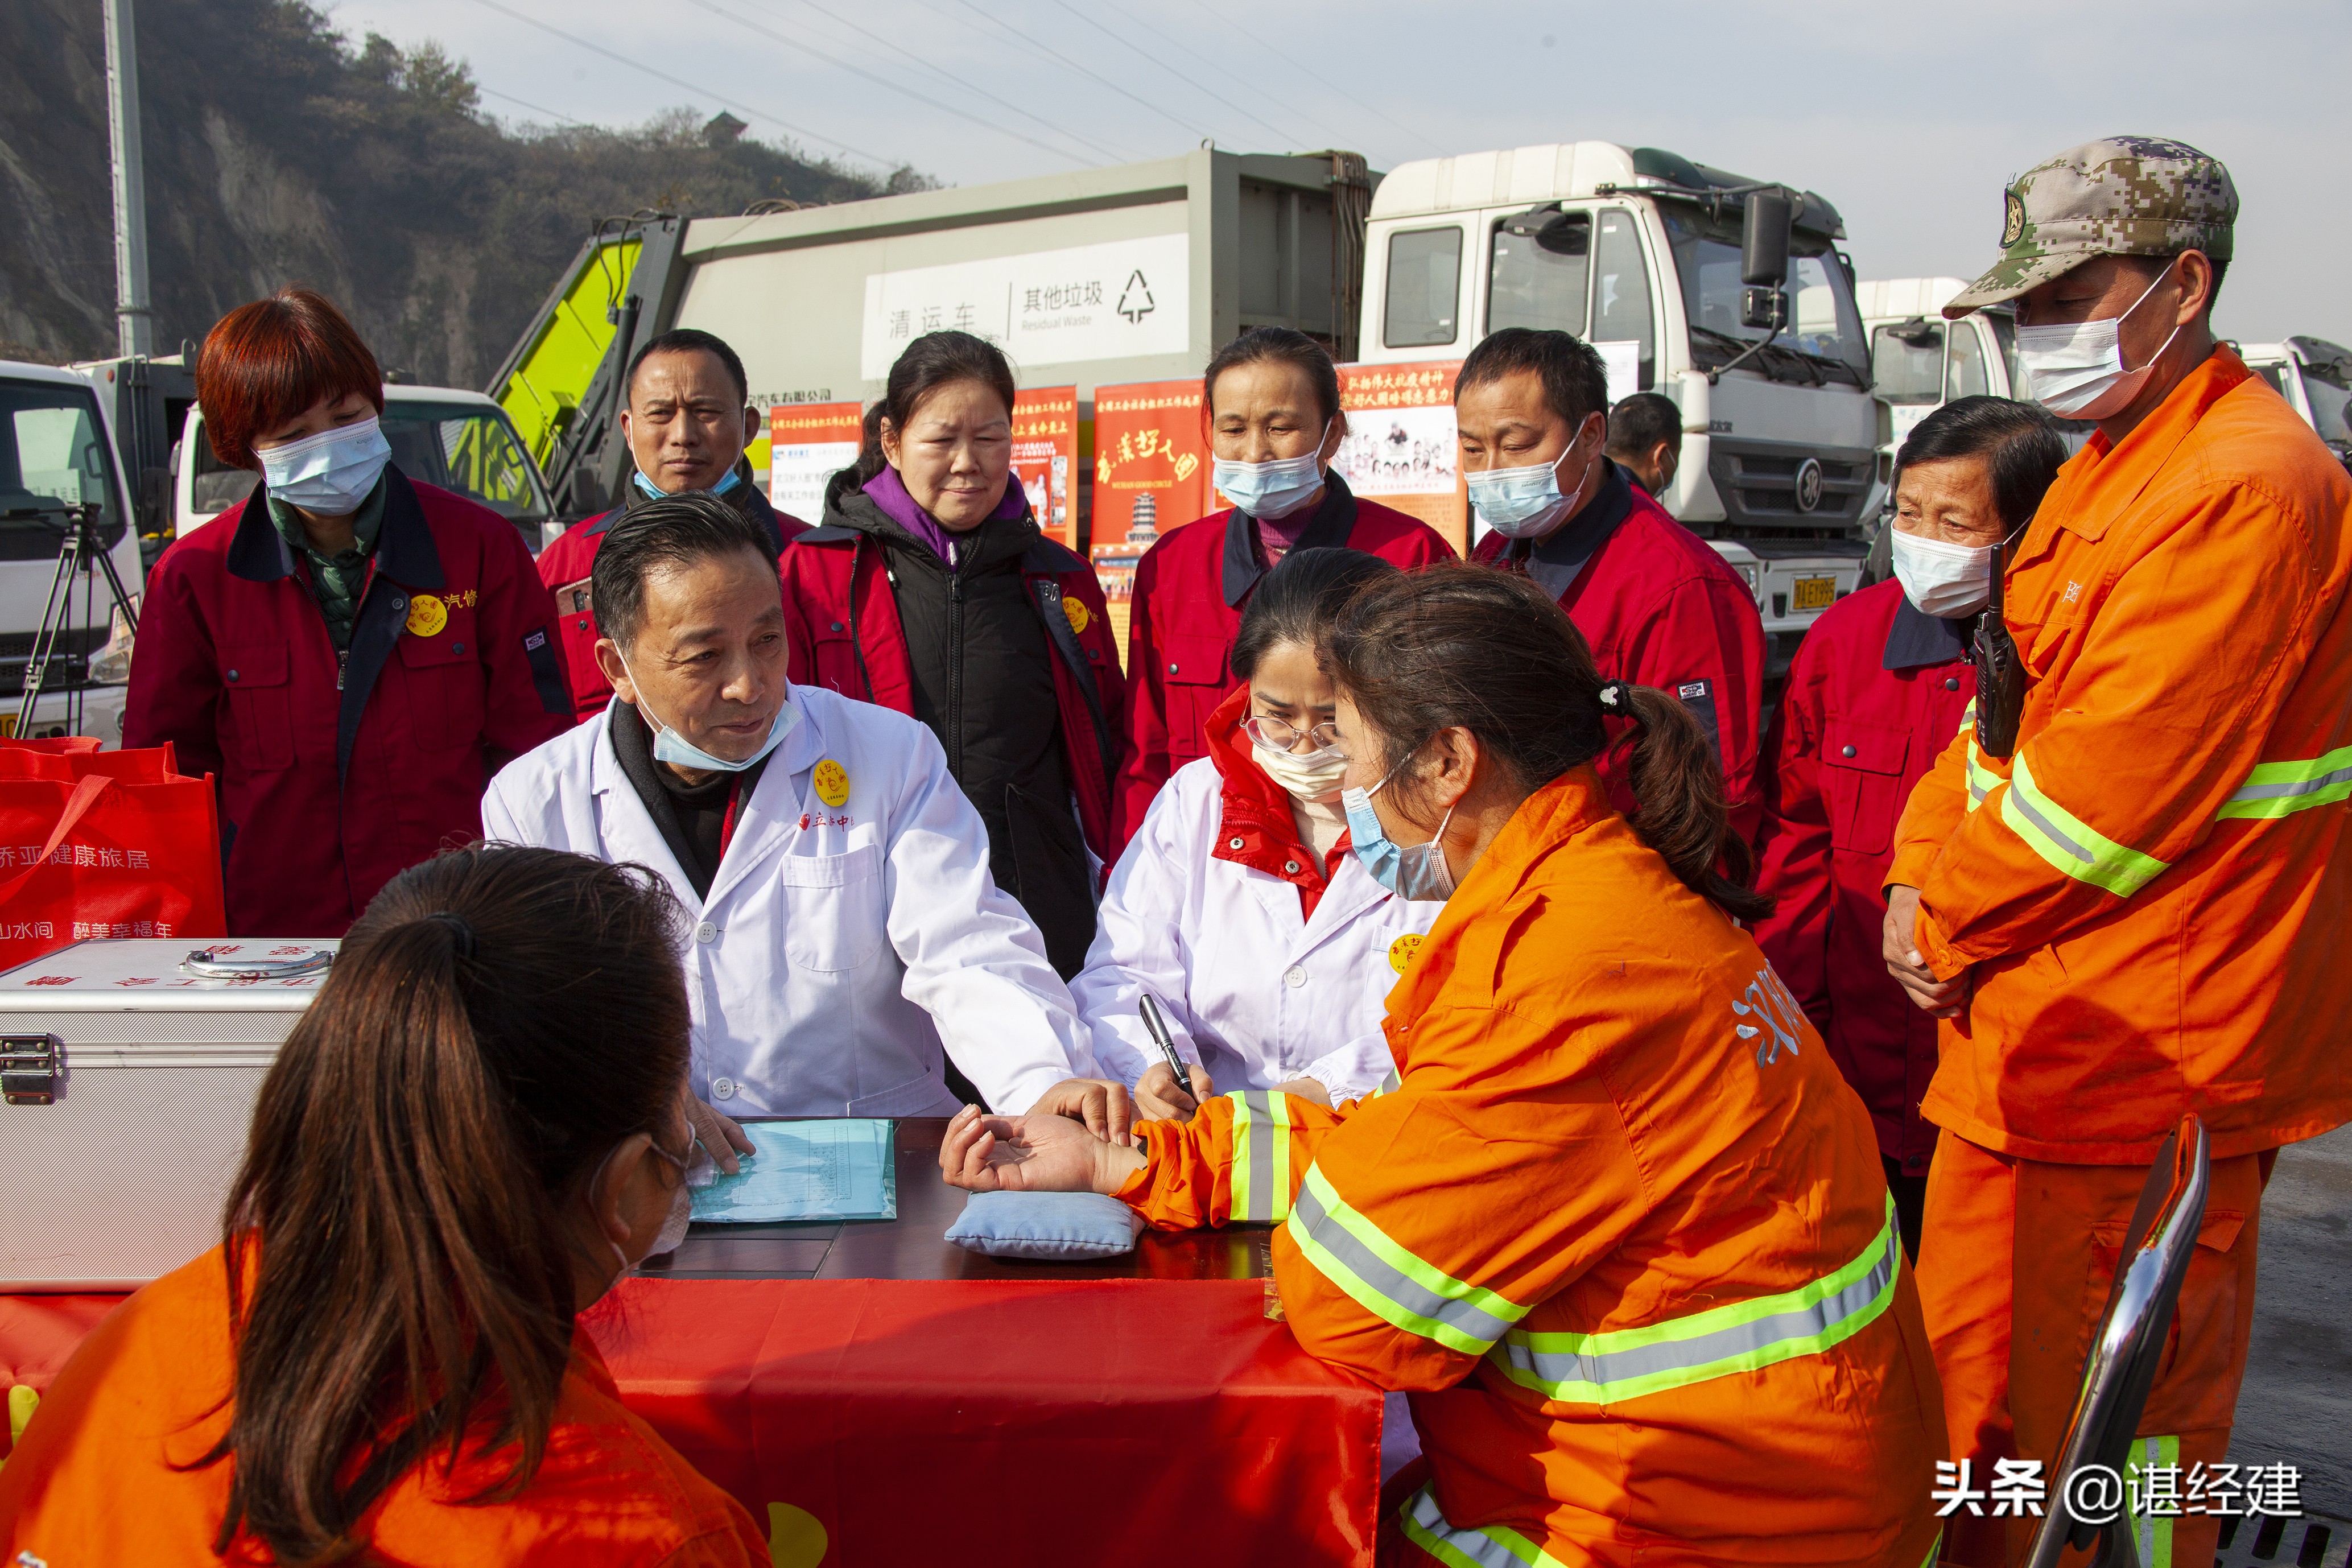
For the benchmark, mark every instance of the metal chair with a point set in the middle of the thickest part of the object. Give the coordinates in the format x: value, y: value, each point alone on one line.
x: 2121, y: 1367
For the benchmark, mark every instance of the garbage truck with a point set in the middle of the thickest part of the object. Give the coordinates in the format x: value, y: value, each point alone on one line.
x: 1727, y: 295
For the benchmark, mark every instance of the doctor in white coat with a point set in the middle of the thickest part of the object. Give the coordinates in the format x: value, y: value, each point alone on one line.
x: 846, y: 928
x: 1239, y: 902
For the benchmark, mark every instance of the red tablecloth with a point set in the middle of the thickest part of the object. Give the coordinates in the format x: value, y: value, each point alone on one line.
x: 1131, y: 1421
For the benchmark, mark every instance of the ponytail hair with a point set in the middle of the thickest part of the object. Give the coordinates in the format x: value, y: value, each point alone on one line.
x: 1463, y: 646
x: 498, y: 1020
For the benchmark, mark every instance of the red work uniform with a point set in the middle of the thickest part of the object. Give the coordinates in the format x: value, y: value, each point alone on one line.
x: 1660, y: 608
x: 564, y: 566
x: 1190, y: 591
x: 1619, y: 1231
x: 1874, y: 695
x: 108, y: 1470
x: 337, y: 774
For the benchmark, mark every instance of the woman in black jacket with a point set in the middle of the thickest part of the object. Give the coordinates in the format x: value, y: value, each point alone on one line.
x: 930, y: 589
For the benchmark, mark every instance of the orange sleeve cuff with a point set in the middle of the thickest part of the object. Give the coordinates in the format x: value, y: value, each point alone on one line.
x: 1136, y: 1191
x: 1941, y: 956
x: 1911, y: 865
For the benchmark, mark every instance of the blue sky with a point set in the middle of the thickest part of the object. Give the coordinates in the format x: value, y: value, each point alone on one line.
x: 1909, y: 119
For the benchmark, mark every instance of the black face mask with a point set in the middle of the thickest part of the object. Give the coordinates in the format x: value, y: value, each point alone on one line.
x: 2000, y: 672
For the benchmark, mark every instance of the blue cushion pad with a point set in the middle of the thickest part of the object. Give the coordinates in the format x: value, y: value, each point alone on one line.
x: 1046, y: 1224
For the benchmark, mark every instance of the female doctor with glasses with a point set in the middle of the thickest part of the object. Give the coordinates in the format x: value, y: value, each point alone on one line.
x: 1238, y: 903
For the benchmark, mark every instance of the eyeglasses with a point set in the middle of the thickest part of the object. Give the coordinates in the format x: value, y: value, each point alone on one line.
x: 1277, y: 736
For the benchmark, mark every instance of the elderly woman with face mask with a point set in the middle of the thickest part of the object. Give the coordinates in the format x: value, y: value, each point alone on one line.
x: 1881, y: 685
x: 1238, y: 904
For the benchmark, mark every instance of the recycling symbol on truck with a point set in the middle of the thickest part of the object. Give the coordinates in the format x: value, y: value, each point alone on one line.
x: 1135, y: 299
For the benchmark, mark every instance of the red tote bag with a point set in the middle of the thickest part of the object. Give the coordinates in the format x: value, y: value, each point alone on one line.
x: 103, y: 844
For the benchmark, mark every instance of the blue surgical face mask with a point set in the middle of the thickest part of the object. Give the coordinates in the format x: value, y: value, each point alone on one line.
x: 1273, y: 490
x: 1525, y: 503
x: 329, y: 473
x: 734, y: 476
x: 1418, y: 872
x: 670, y: 746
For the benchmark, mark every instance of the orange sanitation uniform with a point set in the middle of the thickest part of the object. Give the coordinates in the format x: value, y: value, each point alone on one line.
x: 2150, y: 896
x: 98, y: 1476
x: 1620, y: 1229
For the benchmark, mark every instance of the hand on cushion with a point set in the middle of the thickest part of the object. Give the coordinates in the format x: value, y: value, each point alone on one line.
x: 982, y: 1153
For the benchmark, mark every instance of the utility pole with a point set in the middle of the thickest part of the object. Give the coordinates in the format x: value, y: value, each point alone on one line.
x: 135, y: 321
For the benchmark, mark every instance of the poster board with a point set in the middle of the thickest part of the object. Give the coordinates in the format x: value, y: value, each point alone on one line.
x: 1044, y: 457
x: 1401, y: 448
x: 1152, y: 475
x: 808, y: 443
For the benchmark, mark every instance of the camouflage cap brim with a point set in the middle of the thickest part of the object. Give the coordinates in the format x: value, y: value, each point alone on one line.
x: 2012, y: 275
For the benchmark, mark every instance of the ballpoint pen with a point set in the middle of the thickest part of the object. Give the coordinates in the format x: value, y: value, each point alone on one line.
x: 1157, y: 1023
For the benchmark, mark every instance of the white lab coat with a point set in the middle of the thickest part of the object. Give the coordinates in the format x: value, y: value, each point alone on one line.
x: 1251, y: 988
x: 841, y: 946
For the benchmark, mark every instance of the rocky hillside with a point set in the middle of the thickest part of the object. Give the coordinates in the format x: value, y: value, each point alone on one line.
x: 278, y: 152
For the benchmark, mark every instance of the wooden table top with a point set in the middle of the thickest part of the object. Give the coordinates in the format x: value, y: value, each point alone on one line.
x: 914, y: 1246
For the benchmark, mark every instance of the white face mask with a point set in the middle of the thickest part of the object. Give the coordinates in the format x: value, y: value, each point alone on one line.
x: 1276, y: 489
x: 1313, y: 777
x: 670, y: 746
x: 329, y: 473
x: 2077, y: 370
x: 1525, y: 503
x: 674, y: 1224
x: 1941, y: 579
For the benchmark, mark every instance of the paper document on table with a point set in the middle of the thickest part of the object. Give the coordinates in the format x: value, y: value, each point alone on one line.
x: 807, y: 1170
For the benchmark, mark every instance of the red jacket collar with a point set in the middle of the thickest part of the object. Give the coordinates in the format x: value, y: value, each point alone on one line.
x: 1254, y: 826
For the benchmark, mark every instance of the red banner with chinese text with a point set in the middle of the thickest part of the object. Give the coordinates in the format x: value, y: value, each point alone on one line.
x: 1045, y: 454
x: 808, y: 443
x: 1401, y: 450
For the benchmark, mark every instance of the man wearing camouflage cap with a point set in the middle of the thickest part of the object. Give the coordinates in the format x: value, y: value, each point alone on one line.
x: 2136, y: 913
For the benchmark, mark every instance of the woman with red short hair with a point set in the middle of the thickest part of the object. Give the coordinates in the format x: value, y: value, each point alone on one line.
x: 354, y: 654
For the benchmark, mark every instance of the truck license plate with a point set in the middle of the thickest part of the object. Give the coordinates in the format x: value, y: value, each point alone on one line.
x: 1816, y: 593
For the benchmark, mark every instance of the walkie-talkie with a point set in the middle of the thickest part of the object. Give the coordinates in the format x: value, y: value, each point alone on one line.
x: 2000, y: 671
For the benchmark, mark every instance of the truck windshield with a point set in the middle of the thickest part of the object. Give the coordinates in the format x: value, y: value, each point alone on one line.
x: 2326, y: 387
x: 1907, y: 362
x: 1823, y: 337
x: 53, y: 462
x: 468, y: 449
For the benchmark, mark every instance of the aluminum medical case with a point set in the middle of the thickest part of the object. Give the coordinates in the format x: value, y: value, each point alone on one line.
x: 128, y: 1073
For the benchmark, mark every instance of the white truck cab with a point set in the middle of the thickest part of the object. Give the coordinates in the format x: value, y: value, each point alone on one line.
x: 57, y: 456
x: 1919, y: 362
x: 444, y: 435
x: 1638, y: 251
x: 2314, y: 376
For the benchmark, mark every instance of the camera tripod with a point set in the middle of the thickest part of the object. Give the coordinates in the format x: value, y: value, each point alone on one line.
x: 79, y: 548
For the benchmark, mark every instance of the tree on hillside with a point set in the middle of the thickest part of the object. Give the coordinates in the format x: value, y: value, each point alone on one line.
x: 278, y: 152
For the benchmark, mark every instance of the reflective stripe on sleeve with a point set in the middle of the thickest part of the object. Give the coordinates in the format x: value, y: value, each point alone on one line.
x: 1598, y: 1369
x: 2068, y: 842
x: 1387, y: 1280
x: 2151, y: 1532
x: 2281, y: 789
x: 1495, y: 1546
x: 1261, y: 1155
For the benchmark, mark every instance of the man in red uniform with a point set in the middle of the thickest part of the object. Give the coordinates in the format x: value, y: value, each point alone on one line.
x: 1876, y: 693
x: 1659, y: 607
x: 1272, y: 400
x: 686, y: 422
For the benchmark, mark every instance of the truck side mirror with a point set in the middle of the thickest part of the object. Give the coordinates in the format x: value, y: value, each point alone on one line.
x: 1764, y: 238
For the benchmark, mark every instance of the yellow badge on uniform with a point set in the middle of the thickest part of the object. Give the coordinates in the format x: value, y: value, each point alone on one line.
x: 1401, y: 950
x: 1076, y: 614
x: 426, y: 615
x: 832, y: 780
